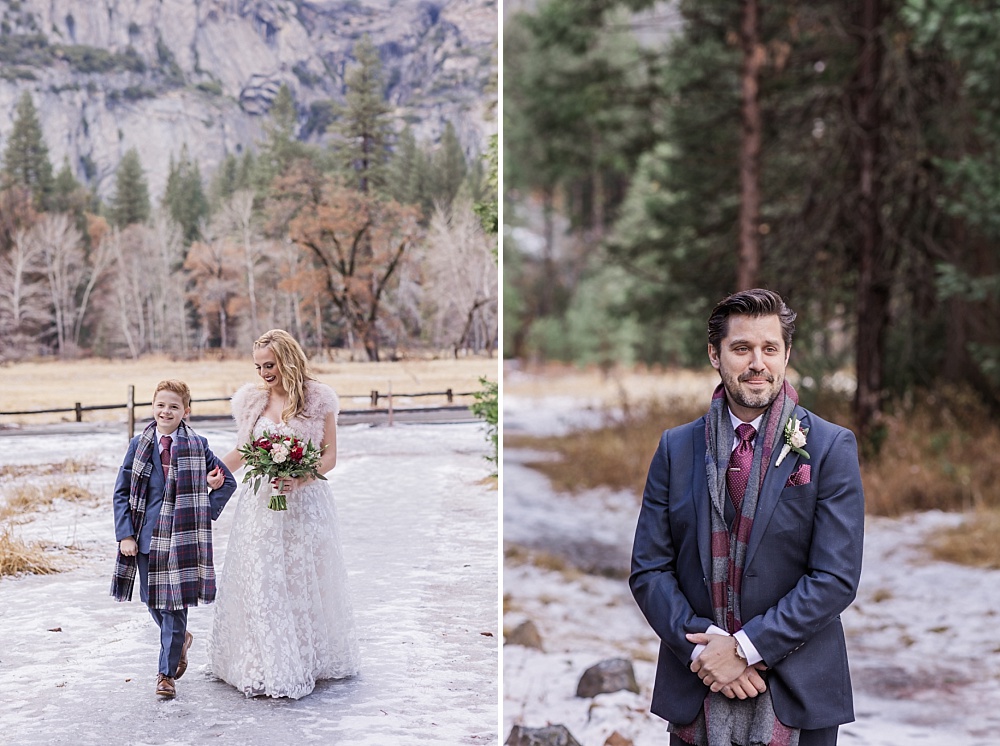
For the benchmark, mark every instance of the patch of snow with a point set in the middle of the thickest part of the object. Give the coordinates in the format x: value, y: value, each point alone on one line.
x: 550, y: 415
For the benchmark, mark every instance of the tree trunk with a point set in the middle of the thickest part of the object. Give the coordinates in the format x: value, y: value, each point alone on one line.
x: 873, y: 270
x: 546, y: 300
x: 470, y: 319
x: 223, y: 326
x: 748, y: 266
x: 370, y: 340
x: 251, y: 285
x: 320, y: 346
x: 296, y: 316
x: 597, y: 198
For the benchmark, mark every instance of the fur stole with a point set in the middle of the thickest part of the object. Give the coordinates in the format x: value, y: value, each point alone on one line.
x: 249, y: 401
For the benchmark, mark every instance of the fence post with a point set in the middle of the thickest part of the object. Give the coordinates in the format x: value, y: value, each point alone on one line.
x: 450, y: 396
x: 79, y: 412
x: 374, y: 397
x: 390, y: 403
x: 130, y: 407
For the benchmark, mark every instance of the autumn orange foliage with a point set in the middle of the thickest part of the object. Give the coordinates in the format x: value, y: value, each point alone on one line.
x: 360, y: 241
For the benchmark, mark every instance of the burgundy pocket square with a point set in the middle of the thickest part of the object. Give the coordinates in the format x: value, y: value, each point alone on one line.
x: 801, y: 475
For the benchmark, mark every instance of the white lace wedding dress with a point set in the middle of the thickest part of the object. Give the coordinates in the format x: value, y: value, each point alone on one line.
x: 283, y: 616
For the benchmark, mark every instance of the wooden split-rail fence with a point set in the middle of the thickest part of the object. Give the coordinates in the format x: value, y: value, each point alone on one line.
x: 375, y: 397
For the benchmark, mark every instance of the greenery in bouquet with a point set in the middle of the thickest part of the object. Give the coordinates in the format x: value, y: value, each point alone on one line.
x: 275, y: 456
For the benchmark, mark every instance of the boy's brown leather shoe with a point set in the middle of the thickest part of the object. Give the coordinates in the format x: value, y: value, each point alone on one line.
x: 165, y: 686
x: 182, y: 664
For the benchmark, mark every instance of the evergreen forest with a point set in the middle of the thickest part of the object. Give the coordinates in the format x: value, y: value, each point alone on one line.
x: 659, y: 156
x: 374, y: 244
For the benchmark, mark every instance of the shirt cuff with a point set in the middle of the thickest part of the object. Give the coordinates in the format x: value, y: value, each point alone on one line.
x: 748, y: 648
x: 712, y: 630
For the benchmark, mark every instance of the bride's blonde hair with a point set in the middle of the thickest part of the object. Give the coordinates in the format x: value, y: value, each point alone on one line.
x: 292, y: 367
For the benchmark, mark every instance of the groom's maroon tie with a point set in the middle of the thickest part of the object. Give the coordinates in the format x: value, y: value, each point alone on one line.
x: 165, y: 454
x: 740, y: 463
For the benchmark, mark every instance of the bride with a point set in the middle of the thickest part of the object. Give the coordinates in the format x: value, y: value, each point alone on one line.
x: 283, y: 616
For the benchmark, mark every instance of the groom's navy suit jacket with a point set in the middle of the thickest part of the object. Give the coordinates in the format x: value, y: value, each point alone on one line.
x: 802, y: 569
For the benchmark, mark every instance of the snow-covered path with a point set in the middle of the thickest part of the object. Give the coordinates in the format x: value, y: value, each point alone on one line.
x: 420, y: 528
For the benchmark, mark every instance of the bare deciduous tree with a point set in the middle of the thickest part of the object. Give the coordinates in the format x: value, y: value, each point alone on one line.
x: 300, y: 291
x: 128, y: 288
x: 238, y: 219
x: 100, y: 260
x: 163, y: 244
x: 23, y: 297
x: 59, y: 243
x: 147, y: 286
x: 215, y: 266
x: 460, y: 273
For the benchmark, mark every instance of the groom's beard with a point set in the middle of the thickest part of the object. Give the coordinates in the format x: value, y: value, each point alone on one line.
x: 744, y: 397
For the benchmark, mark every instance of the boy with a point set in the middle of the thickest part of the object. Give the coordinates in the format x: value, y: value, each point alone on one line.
x: 163, y: 514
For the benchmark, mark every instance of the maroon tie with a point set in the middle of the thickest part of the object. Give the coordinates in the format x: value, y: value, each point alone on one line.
x: 165, y: 454
x: 740, y: 463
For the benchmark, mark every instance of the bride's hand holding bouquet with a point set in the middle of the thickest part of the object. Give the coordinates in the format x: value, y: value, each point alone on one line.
x: 275, y: 457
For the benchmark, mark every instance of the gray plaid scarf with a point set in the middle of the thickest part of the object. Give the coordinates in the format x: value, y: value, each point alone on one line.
x: 724, y: 721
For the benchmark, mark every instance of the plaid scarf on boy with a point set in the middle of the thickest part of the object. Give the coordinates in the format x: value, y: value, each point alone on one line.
x: 747, y: 722
x: 180, y: 554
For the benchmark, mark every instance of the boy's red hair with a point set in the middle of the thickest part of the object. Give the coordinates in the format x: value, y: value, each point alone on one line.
x: 178, y: 387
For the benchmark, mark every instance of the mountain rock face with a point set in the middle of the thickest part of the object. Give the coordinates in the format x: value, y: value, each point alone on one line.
x: 108, y: 75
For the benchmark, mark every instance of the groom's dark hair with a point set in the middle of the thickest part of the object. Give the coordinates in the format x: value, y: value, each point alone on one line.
x: 755, y: 302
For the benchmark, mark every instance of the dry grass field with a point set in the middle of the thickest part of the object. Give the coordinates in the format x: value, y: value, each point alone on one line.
x: 92, y: 382
x: 928, y: 458
x: 632, y: 385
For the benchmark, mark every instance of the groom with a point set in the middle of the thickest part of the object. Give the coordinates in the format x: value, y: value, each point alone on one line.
x: 748, y: 548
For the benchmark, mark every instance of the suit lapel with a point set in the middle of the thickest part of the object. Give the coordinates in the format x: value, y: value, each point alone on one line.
x: 774, y: 483
x: 156, y: 481
x: 702, y: 500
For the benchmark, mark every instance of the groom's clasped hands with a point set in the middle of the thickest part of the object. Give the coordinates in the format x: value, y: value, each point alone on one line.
x: 722, y: 670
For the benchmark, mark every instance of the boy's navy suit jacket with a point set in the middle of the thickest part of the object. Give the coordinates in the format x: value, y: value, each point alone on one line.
x: 154, y: 493
x: 802, y: 569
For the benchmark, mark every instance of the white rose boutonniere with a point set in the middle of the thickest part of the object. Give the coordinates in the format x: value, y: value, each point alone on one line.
x: 795, y: 440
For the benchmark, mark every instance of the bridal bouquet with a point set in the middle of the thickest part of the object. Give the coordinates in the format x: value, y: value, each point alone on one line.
x: 274, y: 456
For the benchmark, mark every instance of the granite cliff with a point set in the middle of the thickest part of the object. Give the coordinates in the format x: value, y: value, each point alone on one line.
x: 107, y: 75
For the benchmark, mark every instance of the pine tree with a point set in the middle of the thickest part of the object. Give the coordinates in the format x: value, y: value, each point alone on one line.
x: 68, y: 194
x: 281, y: 146
x: 184, y: 196
x: 130, y: 203
x: 401, y: 167
x: 234, y: 174
x: 71, y: 197
x: 224, y: 182
x: 26, y: 160
x: 488, y: 209
x: 246, y: 171
x: 364, y: 126
x: 449, y: 167
x: 409, y: 174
